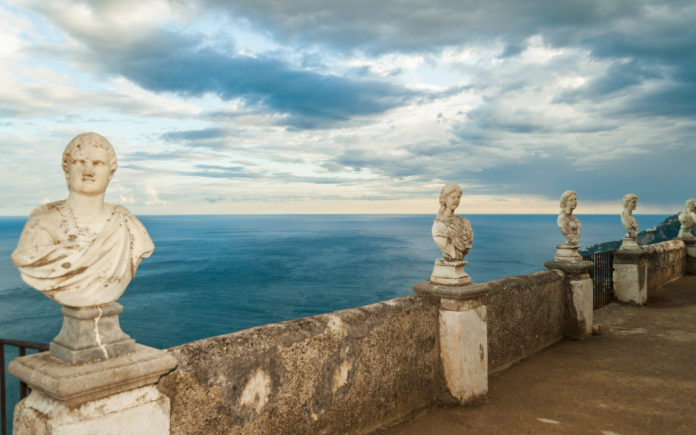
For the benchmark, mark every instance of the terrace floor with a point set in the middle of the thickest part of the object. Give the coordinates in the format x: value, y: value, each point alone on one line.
x: 638, y: 376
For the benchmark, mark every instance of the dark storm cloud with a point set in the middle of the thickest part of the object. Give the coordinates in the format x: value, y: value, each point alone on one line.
x: 171, y: 62
x: 381, y: 27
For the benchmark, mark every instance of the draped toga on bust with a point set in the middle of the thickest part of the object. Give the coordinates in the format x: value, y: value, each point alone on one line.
x: 74, y: 266
x: 459, y: 234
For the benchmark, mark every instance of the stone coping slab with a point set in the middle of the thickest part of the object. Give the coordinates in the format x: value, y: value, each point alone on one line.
x: 626, y: 256
x: 573, y: 268
x: 458, y: 292
x: 77, y: 384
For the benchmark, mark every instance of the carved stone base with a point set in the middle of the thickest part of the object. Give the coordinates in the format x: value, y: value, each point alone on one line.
x: 685, y: 234
x: 629, y: 243
x: 91, y: 334
x: 567, y: 253
x: 449, y: 272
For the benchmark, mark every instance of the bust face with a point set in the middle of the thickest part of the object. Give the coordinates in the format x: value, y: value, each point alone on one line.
x: 632, y: 204
x: 690, y: 204
x: 453, y: 200
x: 572, y: 202
x: 89, y: 172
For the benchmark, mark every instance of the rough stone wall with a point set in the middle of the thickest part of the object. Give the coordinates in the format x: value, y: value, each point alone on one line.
x: 346, y: 372
x: 666, y: 262
x: 525, y: 315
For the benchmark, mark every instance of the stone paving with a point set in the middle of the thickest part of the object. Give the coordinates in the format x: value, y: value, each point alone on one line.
x: 638, y: 376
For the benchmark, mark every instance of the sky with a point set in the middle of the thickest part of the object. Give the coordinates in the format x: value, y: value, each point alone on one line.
x: 275, y: 106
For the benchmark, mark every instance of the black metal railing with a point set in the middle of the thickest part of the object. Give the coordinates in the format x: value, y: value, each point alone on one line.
x: 602, y: 277
x: 23, y: 390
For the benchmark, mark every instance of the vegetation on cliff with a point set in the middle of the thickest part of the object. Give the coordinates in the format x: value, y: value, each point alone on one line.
x: 666, y: 230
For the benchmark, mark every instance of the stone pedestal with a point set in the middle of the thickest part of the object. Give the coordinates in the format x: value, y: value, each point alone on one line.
x: 463, y: 337
x: 630, y: 276
x: 568, y: 253
x: 690, y: 255
x: 449, y: 272
x: 91, y: 334
x: 579, y: 310
x: 629, y: 243
x: 116, y: 395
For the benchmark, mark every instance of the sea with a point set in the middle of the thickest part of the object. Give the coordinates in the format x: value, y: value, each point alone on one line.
x: 216, y: 274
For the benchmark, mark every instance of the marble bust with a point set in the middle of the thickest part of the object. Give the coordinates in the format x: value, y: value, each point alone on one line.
x: 570, y: 228
x: 687, y: 219
x: 82, y: 251
x: 452, y: 234
x: 567, y: 223
x: 630, y: 224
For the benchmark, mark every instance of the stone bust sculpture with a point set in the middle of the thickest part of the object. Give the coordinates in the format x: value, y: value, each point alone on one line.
x: 567, y: 223
x: 82, y: 252
x: 452, y: 234
x: 687, y: 219
x: 630, y: 201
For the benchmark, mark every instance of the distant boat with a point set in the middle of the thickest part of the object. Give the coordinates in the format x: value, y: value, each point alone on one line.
x: 356, y: 228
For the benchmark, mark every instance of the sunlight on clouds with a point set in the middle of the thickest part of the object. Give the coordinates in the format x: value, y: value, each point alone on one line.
x: 538, y: 52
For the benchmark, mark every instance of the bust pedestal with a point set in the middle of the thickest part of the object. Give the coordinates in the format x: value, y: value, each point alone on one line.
x: 463, y: 337
x: 566, y: 252
x: 115, y: 395
x: 629, y: 243
x: 630, y: 276
x: 91, y: 334
x: 579, y: 312
x: 450, y: 272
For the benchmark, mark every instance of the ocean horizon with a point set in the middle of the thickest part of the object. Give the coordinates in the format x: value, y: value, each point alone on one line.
x: 215, y: 274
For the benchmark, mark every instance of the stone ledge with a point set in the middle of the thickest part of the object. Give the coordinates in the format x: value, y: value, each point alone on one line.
x: 627, y: 256
x: 75, y: 385
x: 457, y: 292
x: 572, y: 268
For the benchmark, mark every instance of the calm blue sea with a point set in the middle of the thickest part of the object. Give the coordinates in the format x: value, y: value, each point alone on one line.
x: 211, y: 275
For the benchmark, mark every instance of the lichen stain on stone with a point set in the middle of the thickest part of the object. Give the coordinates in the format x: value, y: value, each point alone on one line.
x: 257, y: 391
x: 340, y: 377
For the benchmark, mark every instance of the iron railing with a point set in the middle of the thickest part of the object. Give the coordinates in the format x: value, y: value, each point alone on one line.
x: 602, y: 277
x: 23, y: 390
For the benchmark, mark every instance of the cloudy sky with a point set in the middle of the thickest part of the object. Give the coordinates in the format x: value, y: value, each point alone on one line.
x: 275, y: 106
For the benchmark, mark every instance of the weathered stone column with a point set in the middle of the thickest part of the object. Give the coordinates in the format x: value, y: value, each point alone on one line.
x: 630, y: 276
x: 690, y: 255
x: 579, y: 309
x: 463, y: 337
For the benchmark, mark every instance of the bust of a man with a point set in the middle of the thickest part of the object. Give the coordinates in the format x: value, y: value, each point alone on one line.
x: 687, y: 219
x: 82, y: 252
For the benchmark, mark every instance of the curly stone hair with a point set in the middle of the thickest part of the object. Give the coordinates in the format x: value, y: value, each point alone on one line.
x: 90, y: 140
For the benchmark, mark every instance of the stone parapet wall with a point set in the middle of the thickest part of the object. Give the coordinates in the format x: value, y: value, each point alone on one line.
x: 349, y: 371
x: 525, y: 315
x: 666, y: 262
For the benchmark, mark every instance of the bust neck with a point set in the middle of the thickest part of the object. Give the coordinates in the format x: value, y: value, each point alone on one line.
x: 86, y: 206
